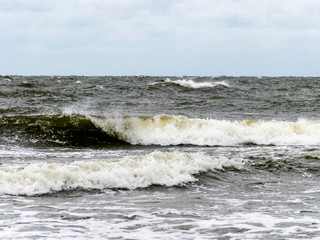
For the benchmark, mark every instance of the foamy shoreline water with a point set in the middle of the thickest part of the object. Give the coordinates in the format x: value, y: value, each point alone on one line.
x: 156, y: 168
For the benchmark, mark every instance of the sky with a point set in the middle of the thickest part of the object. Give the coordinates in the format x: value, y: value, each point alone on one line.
x: 160, y: 37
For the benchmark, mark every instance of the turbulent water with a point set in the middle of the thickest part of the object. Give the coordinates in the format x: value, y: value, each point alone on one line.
x: 141, y: 157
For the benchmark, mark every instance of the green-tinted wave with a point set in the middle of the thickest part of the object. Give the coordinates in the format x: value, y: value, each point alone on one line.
x: 74, y: 130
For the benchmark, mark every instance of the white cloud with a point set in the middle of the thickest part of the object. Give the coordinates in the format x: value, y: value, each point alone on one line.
x: 109, y: 26
x: 137, y: 19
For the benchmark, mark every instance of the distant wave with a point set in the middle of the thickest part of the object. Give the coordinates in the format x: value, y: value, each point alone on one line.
x: 161, y: 130
x: 193, y: 84
x: 157, y: 168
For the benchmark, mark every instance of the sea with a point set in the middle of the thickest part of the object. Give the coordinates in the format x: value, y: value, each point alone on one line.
x: 159, y: 157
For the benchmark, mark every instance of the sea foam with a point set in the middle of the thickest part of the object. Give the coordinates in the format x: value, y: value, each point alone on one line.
x: 157, y: 168
x: 176, y: 130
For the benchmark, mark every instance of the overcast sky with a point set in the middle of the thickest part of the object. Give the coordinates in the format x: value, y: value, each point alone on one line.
x: 160, y: 37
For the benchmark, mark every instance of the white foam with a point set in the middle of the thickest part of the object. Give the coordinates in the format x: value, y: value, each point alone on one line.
x: 175, y: 130
x: 192, y: 84
x: 157, y: 168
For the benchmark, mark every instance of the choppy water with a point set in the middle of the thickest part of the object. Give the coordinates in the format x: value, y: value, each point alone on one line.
x: 143, y: 157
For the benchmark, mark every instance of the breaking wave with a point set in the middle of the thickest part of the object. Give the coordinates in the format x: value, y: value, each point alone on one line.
x: 161, y: 130
x: 157, y: 168
x: 192, y: 84
x: 176, y: 130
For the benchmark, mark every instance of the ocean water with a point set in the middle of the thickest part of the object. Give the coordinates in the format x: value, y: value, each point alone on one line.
x: 139, y: 157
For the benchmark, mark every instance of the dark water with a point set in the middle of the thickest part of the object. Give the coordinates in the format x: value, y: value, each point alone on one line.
x: 141, y: 157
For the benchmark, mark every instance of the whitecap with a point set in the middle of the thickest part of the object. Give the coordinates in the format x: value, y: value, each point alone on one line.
x: 189, y: 83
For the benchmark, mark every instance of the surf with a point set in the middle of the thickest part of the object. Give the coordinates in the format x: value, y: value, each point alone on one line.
x: 131, y: 172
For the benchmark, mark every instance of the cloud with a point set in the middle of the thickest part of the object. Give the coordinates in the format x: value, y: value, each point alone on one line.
x: 72, y: 27
x: 134, y: 20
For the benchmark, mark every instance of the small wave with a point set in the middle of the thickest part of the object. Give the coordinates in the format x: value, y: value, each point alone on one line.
x: 176, y: 130
x: 192, y: 84
x: 157, y: 168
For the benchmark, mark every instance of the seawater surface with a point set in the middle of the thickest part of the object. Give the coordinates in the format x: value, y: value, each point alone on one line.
x: 139, y: 157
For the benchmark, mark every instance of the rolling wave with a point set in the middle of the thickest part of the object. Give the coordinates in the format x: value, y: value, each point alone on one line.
x: 157, y: 168
x: 161, y: 130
